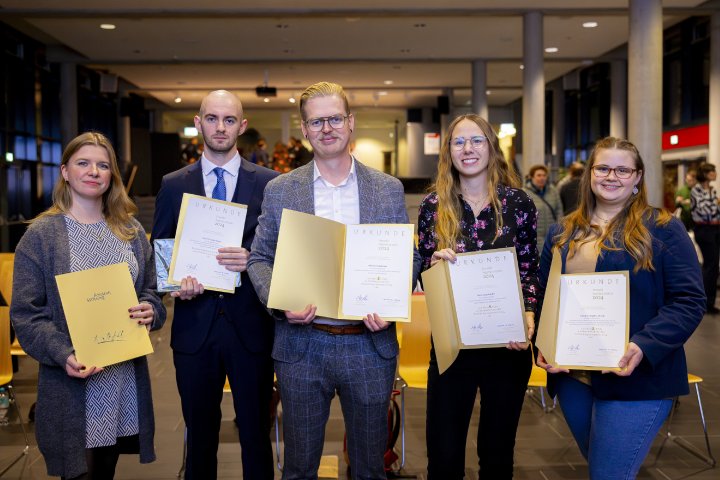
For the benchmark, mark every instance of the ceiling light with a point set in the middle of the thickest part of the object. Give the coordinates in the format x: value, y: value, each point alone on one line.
x: 291, y: 100
x: 388, y: 82
x: 266, y: 100
x: 178, y: 99
x: 9, y: 157
x: 551, y: 50
x: 107, y: 26
x: 522, y: 67
x: 590, y: 24
x: 190, y: 132
x: 488, y: 92
x: 382, y: 94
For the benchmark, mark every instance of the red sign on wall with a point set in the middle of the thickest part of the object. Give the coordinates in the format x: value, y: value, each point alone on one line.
x: 686, y: 137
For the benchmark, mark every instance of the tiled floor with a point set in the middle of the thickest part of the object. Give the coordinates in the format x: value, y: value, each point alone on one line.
x: 544, y: 448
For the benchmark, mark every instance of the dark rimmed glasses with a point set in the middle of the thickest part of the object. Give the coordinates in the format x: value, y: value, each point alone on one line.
x: 335, y: 121
x: 602, y: 171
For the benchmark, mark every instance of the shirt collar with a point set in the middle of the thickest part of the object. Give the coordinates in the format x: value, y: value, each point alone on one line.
x: 351, y: 174
x: 232, y: 167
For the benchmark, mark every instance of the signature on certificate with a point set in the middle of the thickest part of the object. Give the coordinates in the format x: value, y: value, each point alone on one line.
x: 574, y: 348
x: 191, y: 267
x: 110, y: 337
x: 361, y: 298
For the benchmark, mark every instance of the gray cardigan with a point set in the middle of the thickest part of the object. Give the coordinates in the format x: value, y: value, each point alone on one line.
x: 37, y: 315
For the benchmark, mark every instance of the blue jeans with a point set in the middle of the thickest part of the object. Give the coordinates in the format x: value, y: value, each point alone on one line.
x: 614, y: 436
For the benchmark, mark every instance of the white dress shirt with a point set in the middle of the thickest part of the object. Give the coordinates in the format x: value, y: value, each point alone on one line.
x: 340, y: 203
x: 230, y: 176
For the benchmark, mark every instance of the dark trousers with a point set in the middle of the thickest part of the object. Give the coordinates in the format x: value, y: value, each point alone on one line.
x: 502, y: 376
x: 101, y: 461
x: 200, y: 378
x: 708, y: 239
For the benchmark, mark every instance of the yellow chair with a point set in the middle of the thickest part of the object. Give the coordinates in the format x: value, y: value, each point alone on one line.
x: 680, y: 441
x: 414, y: 358
x: 538, y: 379
x: 6, y: 375
x: 6, y: 276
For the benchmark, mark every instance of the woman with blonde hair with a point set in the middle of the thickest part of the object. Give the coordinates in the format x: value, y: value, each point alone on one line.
x: 86, y: 416
x: 477, y: 204
x: 614, y: 416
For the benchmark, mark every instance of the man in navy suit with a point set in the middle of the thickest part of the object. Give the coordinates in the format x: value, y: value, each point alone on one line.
x: 219, y: 334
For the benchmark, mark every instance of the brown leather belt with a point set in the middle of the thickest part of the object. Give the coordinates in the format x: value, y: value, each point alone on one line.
x: 340, y: 329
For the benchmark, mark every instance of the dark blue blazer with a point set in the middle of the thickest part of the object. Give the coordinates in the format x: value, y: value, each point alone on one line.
x: 192, y: 318
x: 666, y: 305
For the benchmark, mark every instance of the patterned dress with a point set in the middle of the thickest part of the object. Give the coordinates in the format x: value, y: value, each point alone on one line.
x: 519, y: 231
x: 111, y: 406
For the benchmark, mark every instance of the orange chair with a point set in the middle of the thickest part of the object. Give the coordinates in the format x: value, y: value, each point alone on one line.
x: 680, y: 441
x: 538, y: 379
x: 414, y: 358
x: 6, y: 375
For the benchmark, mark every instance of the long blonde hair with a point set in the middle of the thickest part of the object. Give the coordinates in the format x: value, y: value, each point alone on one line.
x: 447, y: 183
x: 627, y: 230
x: 117, y: 208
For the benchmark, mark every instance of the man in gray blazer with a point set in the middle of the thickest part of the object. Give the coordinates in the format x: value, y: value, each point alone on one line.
x: 317, y: 357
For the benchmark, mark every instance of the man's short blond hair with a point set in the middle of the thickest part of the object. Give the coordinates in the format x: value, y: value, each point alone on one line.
x: 323, y: 89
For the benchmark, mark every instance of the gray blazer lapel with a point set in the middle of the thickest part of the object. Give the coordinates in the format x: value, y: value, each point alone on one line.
x: 303, y: 194
x: 366, y: 192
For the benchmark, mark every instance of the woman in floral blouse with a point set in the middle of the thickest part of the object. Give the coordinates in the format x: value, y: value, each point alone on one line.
x: 477, y: 204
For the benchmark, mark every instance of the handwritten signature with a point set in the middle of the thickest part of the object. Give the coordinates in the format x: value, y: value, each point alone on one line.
x: 110, y: 337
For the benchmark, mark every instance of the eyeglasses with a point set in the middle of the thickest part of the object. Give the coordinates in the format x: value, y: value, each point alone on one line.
x: 336, y: 122
x: 477, y: 142
x: 602, y: 171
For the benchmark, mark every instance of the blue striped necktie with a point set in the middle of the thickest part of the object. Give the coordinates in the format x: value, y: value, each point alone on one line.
x: 219, y: 192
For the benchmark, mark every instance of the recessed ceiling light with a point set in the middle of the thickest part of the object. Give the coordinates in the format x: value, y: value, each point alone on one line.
x: 488, y: 92
x: 551, y: 50
x: 291, y: 100
x: 382, y: 94
x: 266, y: 100
x: 590, y: 24
x: 522, y: 67
x: 178, y: 99
x: 388, y: 82
x: 107, y: 26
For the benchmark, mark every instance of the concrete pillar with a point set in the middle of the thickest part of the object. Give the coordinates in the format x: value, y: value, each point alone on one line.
x: 533, y: 105
x: 558, y: 135
x: 68, y: 102
x: 714, y: 140
x: 618, y: 98
x: 421, y: 165
x: 479, y: 88
x: 645, y: 90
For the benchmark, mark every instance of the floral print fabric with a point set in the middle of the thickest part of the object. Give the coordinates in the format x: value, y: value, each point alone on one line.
x: 477, y: 233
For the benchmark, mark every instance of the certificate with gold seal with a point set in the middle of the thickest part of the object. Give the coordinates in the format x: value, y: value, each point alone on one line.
x: 347, y: 271
x: 204, y: 226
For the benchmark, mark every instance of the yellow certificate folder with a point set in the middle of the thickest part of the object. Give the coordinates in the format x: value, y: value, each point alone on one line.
x: 310, y: 262
x: 443, y: 311
x: 96, y: 304
x: 547, y: 334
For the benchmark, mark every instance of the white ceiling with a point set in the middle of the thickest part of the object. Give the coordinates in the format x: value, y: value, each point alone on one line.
x: 185, y: 48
